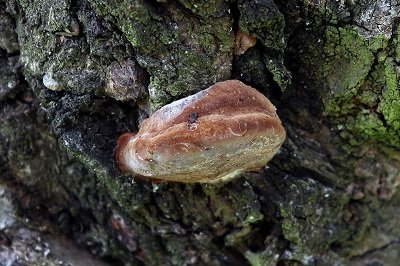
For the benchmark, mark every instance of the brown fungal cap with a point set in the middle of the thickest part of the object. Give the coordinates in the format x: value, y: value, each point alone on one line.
x: 209, y: 136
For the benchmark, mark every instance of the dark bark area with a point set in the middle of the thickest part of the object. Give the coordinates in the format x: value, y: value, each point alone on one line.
x: 74, y: 75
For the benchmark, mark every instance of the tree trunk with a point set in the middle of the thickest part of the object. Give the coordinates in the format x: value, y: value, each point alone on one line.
x: 74, y: 75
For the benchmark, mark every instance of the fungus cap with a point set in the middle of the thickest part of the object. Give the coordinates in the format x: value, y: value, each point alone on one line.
x: 207, y: 137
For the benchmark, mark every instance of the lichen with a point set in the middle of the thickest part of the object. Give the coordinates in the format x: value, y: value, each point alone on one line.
x: 390, y: 100
x: 263, y: 20
x: 347, y: 63
x: 8, y: 36
x: 360, y: 85
x: 381, y: 122
x: 181, y: 54
x: 312, y: 216
x: 262, y: 258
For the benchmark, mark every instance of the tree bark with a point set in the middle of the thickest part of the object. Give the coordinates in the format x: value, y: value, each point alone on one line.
x: 74, y: 75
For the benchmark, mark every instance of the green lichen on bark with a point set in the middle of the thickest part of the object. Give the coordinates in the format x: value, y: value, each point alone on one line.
x: 66, y: 47
x: 262, y: 258
x: 56, y: 185
x: 360, y: 84
x: 313, y: 215
x: 313, y: 204
x: 359, y: 77
x: 364, y: 85
x: 390, y: 99
x: 382, y: 124
x: 184, y: 46
x: 264, y: 20
x: 348, y: 60
x: 8, y: 36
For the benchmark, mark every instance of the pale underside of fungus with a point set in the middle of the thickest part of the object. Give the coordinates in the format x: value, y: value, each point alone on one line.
x: 210, y: 136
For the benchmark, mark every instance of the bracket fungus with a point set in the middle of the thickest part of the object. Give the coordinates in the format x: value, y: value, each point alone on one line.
x: 207, y: 137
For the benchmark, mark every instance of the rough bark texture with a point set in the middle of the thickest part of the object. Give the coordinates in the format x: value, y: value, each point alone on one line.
x: 75, y: 74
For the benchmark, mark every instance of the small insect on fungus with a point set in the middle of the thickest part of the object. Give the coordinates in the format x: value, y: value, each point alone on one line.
x: 208, y: 137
